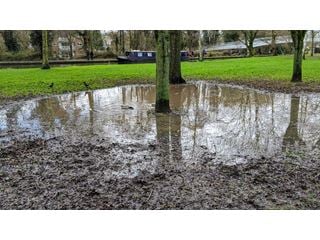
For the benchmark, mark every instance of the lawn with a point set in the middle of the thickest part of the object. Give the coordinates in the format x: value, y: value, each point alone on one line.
x: 34, y: 81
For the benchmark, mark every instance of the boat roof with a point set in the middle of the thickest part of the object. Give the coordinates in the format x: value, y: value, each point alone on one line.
x: 139, y: 51
x: 148, y: 51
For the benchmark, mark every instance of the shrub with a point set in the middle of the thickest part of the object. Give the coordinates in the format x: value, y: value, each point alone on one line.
x: 27, y: 55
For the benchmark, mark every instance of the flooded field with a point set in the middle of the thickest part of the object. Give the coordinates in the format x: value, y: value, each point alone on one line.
x: 221, y: 147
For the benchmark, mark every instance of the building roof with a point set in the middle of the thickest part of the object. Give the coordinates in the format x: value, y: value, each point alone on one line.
x: 258, y: 42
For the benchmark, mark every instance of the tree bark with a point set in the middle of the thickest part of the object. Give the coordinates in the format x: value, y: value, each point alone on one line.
x: 249, y: 37
x: 91, y: 55
x: 175, y: 57
x: 45, y: 50
x: 122, y: 45
x: 130, y: 39
x: 273, y: 43
x: 200, y: 46
x: 71, y: 51
x: 297, y: 39
x: 86, y: 43
x: 162, y: 71
x: 70, y: 47
x: 251, y: 49
x: 312, y: 42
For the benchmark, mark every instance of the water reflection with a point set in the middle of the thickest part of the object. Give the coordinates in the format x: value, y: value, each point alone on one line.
x: 168, y: 127
x: 292, y: 136
x: 229, y: 123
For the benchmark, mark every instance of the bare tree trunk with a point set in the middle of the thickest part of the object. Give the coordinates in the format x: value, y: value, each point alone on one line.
x: 69, y: 35
x: 200, y: 46
x: 130, y: 39
x: 273, y: 43
x: 304, y: 50
x: 162, y: 71
x: 135, y: 42
x: 297, y: 39
x: 312, y: 42
x: 45, y: 51
x: 251, y: 49
x: 91, y: 54
x: 71, y: 51
x: 70, y: 47
x: 122, y: 47
x: 117, y: 43
x: 86, y: 43
x: 175, y: 57
x: 249, y: 37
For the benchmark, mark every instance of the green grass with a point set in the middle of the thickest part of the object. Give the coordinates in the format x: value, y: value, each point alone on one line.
x: 34, y: 81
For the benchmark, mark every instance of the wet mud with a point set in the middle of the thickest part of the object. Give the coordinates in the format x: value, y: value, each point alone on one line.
x: 221, y: 148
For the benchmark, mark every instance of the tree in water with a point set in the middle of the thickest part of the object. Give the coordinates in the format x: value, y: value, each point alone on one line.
x: 175, y: 57
x: 249, y: 37
x: 162, y: 71
x: 297, y: 40
x: 45, y: 50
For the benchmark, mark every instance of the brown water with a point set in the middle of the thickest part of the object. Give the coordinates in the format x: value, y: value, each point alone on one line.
x: 229, y: 124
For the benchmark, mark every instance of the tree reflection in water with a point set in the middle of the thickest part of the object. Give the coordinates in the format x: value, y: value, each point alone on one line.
x: 231, y: 123
x: 291, y: 136
x: 169, y: 138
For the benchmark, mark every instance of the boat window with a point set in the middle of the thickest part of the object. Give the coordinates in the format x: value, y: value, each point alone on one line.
x: 149, y: 54
x: 140, y: 54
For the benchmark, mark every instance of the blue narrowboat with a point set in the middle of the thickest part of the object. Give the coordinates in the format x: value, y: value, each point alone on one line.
x: 144, y: 57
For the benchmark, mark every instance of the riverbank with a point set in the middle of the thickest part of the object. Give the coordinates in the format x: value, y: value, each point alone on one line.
x: 269, y: 73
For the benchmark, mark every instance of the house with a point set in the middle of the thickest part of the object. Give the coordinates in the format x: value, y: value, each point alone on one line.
x: 67, y: 46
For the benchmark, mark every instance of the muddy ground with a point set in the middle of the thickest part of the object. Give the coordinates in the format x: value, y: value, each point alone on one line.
x: 77, y: 171
x: 275, y: 86
x: 61, y: 173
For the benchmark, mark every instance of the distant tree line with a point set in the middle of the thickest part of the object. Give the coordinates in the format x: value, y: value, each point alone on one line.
x: 28, y: 44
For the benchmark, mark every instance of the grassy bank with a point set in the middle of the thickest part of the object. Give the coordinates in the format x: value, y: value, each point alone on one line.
x: 34, y: 81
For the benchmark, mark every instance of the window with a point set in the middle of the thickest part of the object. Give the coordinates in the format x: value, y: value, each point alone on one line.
x: 149, y: 54
x: 139, y: 54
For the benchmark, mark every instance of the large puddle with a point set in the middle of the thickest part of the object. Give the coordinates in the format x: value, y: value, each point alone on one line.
x: 230, y: 123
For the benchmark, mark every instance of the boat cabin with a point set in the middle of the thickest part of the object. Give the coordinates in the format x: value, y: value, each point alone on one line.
x: 144, y: 56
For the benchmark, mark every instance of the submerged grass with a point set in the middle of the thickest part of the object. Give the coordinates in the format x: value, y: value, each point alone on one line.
x: 34, y: 81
